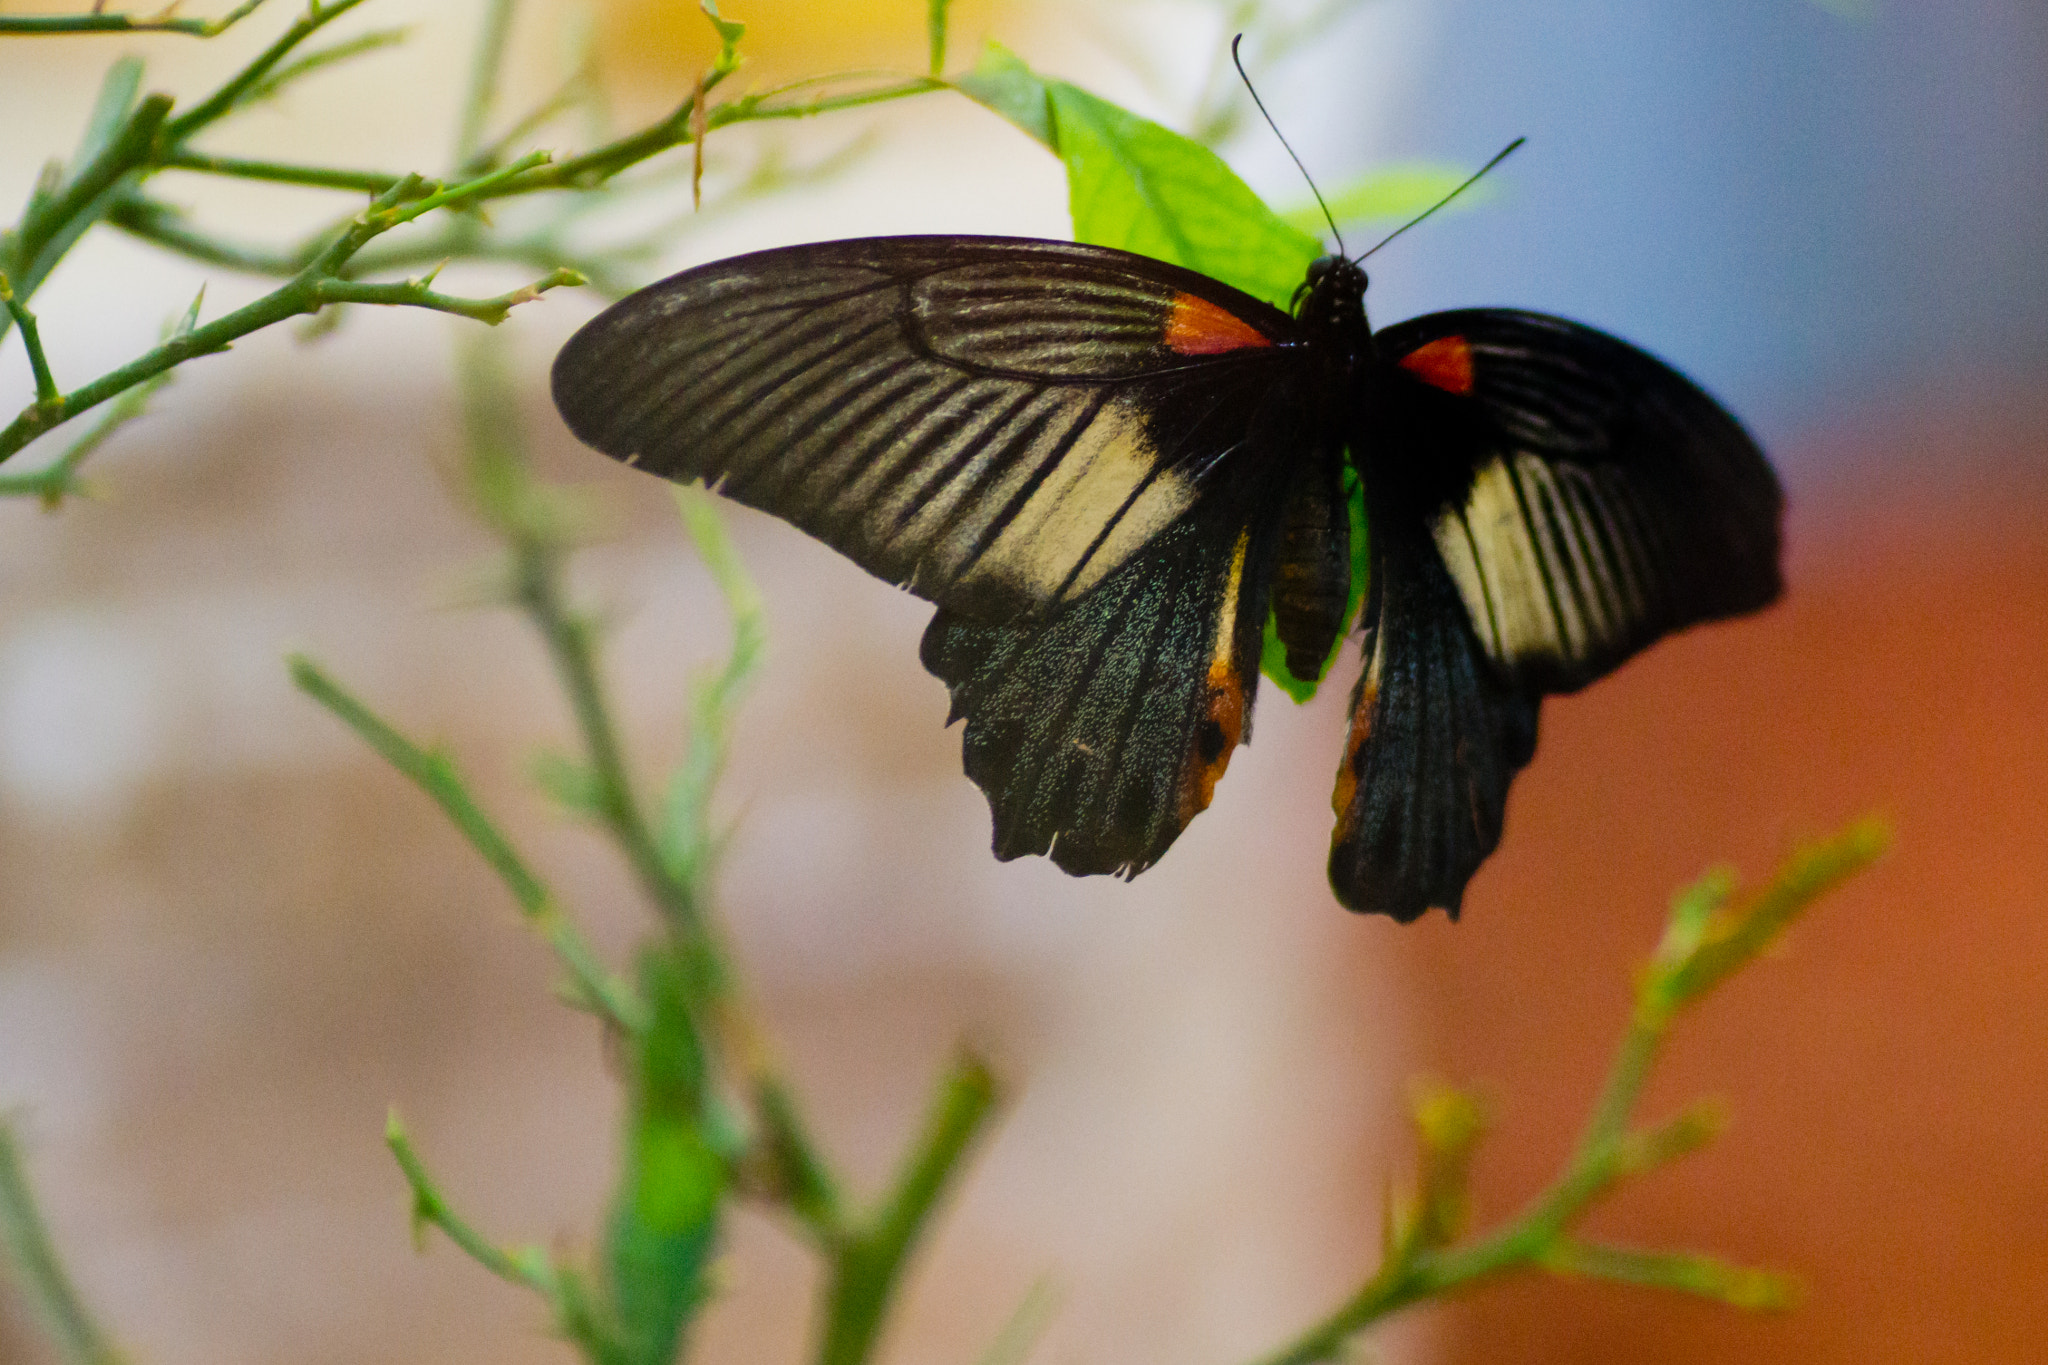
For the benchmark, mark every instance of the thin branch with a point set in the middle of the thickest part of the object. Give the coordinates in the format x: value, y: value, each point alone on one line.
x: 1703, y: 944
x: 596, y: 988
x: 312, y: 289
x: 1702, y: 1276
x: 527, y: 1267
x: 281, y: 173
x: 48, y: 396
x: 38, y: 1269
x: 58, y: 479
x: 319, y: 59
x: 485, y: 71
x: 240, y: 85
x: 128, y: 23
x: 868, y: 1268
x: 416, y: 294
x: 55, y: 221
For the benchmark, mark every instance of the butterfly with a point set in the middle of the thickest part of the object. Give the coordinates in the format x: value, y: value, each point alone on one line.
x: 1110, y: 473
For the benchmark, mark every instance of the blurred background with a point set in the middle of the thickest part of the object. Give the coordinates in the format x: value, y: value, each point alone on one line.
x: 229, y: 938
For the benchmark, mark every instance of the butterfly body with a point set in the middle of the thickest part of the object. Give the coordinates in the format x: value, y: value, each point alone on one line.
x: 1109, y: 473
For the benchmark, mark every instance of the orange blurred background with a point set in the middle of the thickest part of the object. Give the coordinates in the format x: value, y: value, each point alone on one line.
x: 229, y: 939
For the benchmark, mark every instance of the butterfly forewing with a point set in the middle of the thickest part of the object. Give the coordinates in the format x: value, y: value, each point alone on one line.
x: 996, y: 424
x: 1611, y: 501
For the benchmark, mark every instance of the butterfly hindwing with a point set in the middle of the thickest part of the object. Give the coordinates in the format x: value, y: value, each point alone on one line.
x: 995, y: 423
x: 1437, y: 734
x: 1098, y: 734
x: 1611, y: 502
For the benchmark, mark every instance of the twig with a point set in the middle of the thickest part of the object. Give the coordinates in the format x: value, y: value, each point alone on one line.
x: 527, y: 1267
x: 127, y: 23
x: 867, y: 1267
x: 312, y: 289
x: 239, y: 86
x: 49, y: 398
x: 1704, y: 942
x: 38, y: 1269
x: 282, y: 173
x: 596, y: 988
x: 485, y: 69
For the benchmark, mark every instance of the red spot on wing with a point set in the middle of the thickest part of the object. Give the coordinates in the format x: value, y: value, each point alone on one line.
x: 1445, y: 362
x: 1199, y: 327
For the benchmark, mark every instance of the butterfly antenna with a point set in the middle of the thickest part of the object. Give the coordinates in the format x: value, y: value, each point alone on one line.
x: 1238, y: 62
x: 1500, y: 156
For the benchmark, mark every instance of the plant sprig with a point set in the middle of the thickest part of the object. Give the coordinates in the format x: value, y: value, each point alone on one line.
x: 730, y: 1121
x: 132, y: 137
x: 1711, y: 934
x: 165, y: 21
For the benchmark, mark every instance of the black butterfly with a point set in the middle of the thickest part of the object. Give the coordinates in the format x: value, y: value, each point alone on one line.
x: 1107, y: 470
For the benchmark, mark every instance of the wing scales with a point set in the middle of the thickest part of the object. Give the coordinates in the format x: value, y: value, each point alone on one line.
x: 1612, y: 501
x: 996, y: 424
x: 1097, y: 735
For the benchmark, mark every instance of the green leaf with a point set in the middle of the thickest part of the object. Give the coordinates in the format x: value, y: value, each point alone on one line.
x: 1138, y: 186
x: 729, y: 31
x: 1006, y: 86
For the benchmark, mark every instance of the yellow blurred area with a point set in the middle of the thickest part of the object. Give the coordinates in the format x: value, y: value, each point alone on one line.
x: 645, y: 41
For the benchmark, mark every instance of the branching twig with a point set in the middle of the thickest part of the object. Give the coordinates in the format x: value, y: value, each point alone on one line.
x: 867, y: 1264
x: 528, y: 1266
x: 96, y: 22
x: 596, y: 988
x: 1704, y: 942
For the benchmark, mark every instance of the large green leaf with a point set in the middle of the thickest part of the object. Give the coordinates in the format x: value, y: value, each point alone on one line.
x: 1139, y: 186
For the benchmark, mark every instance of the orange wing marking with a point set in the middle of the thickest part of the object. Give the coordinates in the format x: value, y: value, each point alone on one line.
x: 1445, y: 362
x: 1222, y: 726
x: 1199, y: 327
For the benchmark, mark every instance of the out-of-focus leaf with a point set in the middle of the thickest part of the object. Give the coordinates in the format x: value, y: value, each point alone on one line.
x: 1139, y: 186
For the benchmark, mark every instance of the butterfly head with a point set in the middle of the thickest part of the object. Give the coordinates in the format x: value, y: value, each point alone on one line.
x: 1332, y: 298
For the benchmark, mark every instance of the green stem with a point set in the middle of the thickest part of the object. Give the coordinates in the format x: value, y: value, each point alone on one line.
x: 799, y: 1178
x: 316, y: 17
x: 312, y: 289
x: 597, y: 989
x: 869, y: 1264
x: 1412, y: 1273
x: 127, y: 23
x: 429, y: 1208
x: 164, y: 226
x: 52, y: 224
x: 568, y: 638
x: 416, y: 294
x: 59, y: 479
x: 281, y: 173
x: 1682, y: 1272
x: 40, y: 1272
x: 484, y: 74
x: 48, y: 396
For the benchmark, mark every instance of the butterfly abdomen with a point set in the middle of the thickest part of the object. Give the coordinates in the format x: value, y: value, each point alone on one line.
x: 1312, y: 577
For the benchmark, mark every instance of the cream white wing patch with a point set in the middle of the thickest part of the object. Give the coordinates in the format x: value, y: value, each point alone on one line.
x: 1550, y: 560
x: 1087, y: 492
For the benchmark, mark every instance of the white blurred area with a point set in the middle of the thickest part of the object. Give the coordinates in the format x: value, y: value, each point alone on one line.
x: 230, y: 938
